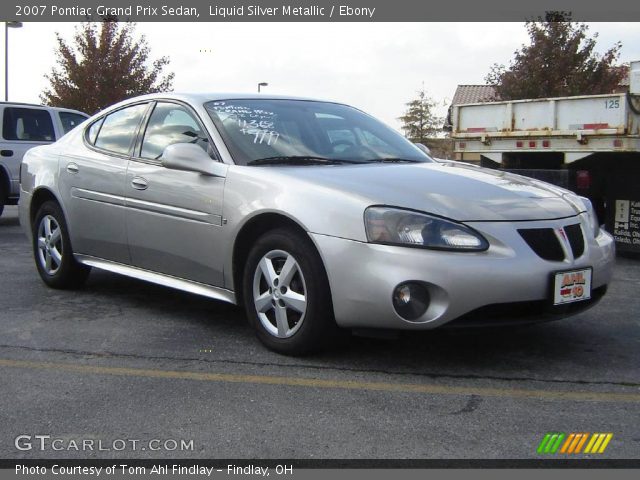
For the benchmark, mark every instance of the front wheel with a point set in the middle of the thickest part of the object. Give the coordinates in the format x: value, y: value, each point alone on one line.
x: 286, y: 294
x: 52, y: 250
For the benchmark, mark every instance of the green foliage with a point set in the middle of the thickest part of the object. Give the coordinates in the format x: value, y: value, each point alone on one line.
x: 104, y: 65
x: 560, y: 61
x: 420, y: 121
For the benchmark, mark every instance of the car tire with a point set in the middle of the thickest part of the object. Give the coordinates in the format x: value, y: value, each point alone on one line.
x: 287, y: 296
x: 52, y: 250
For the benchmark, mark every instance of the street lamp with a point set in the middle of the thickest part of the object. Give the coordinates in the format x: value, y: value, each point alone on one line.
x: 7, y: 26
x: 262, y: 84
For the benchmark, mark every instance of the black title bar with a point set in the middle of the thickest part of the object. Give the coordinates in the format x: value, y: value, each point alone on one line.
x: 314, y: 10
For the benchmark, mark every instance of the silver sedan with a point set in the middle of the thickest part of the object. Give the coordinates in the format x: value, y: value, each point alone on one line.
x: 316, y: 217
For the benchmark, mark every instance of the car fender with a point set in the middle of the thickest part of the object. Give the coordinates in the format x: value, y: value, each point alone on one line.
x: 252, y: 192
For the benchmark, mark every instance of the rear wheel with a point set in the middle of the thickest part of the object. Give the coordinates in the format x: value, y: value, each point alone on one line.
x: 52, y: 250
x: 286, y: 294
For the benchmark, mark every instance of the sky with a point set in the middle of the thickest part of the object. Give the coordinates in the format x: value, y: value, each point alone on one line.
x: 377, y: 67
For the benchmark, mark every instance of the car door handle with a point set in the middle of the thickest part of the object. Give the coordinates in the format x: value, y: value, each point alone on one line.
x: 139, y: 183
x: 6, y: 153
x: 72, y: 168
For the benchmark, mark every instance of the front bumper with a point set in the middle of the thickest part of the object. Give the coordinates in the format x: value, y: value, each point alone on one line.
x: 363, y: 276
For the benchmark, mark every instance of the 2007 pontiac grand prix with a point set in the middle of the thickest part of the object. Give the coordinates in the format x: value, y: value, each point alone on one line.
x: 313, y: 215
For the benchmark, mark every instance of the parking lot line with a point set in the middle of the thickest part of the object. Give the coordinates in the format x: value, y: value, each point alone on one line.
x: 429, y: 389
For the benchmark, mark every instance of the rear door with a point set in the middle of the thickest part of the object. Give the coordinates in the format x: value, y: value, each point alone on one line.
x: 92, y: 182
x: 174, y: 218
x: 22, y: 128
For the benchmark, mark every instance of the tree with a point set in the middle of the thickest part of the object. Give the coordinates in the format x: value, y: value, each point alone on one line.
x: 420, y: 120
x: 560, y: 61
x: 104, y: 65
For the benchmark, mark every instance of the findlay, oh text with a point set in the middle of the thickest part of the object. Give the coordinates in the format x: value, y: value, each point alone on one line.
x: 155, y: 470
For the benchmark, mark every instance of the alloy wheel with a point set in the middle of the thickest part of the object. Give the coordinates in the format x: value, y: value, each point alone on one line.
x: 279, y: 293
x: 50, y: 245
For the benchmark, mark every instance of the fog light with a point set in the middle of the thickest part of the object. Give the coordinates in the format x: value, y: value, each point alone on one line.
x: 410, y: 300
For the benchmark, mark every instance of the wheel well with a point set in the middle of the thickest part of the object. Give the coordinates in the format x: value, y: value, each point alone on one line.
x: 253, y: 229
x: 39, y: 197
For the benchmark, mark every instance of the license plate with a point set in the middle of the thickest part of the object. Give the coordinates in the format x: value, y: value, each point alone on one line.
x: 572, y: 286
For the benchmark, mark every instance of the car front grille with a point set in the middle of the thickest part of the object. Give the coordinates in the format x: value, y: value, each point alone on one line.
x: 576, y: 240
x: 545, y: 243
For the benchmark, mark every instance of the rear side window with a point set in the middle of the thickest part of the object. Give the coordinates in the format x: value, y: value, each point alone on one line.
x: 92, y: 131
x: 70, y: 120
x: 119, y: 129
x: 27, y: 125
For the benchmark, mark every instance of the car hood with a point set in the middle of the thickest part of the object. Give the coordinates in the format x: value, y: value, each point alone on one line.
x: 453, y: 190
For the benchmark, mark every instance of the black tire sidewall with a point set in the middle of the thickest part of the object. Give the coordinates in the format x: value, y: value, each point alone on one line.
x: 70, y: 274
x: 318, y: 326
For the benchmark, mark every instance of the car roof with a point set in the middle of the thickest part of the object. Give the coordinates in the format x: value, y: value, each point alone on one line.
x: 208, y: 97
x: 199, y: 99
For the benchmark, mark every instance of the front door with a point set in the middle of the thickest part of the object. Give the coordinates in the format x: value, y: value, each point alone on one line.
x: 174, y: 218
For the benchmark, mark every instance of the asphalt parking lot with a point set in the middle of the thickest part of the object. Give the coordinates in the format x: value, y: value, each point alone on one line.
x: 122, y: 359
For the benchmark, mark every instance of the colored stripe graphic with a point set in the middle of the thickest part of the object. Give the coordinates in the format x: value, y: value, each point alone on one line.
x: 544, y: 442
x: 573, y: 443
x: 581, y: 442
x: 598, y: 442
x: 557, y: 443
x: 605, y: 443
x: 551, y: 442
x: 565, y: 447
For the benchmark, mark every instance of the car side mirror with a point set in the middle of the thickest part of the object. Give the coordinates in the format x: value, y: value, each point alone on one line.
x: 191, y: 158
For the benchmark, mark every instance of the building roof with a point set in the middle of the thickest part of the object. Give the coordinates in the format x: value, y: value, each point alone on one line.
x: 487, y: 93
x: 474, y: 94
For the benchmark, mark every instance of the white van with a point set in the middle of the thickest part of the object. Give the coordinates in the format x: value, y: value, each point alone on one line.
x: 24, y: 126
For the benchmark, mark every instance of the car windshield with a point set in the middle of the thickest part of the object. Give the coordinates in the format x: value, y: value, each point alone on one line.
x: 299, y: 132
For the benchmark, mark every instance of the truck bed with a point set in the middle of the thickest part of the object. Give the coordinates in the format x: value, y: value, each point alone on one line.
x: 565, y: 116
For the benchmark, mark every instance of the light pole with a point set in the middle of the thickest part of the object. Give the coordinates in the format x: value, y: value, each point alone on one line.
x: 7, y: 25
x: 262, y: 84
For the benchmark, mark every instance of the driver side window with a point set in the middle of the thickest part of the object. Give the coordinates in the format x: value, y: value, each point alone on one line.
x: 171, y: 123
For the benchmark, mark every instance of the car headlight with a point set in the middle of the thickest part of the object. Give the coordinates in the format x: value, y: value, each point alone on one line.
x: 594, y: 223
x: 395, y: 226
